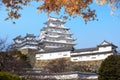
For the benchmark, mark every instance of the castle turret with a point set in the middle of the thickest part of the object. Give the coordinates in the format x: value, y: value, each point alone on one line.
x: 26, y: 42
x: 55, y: 35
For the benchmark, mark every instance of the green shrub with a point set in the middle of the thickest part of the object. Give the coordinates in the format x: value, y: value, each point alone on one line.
x: 8, y: 76
x: 110, y: 68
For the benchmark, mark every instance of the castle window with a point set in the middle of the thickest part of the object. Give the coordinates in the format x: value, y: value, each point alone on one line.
x: 98, y: 55
x: 105, y: 54
x: 64, y: 54
x: 93, y: 57
x: 38, y: 56
x: 55, y: 23
x: 58, y: 45
x: 75, y: 59
x: 87, y: 56
x: 53, y: 44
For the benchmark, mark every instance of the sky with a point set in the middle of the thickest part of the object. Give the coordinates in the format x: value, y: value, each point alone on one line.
x: 87, y: 35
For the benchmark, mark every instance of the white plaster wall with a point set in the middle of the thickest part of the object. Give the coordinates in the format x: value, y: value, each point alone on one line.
x: 42, y: 35
x: 53, y: 35
x: 107, y: 48
x: 93, y: 57
x: 53, y: 25
x: 101, y: 49
x: 55, y: 55
x: 29, y: 38
x: 90, y: 57
x: 61, y: 41
x: 18, y: 41
x: 31, y: 47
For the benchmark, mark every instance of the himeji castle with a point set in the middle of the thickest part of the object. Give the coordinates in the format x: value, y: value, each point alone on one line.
x: 55, y: 41
x: 55, y: 35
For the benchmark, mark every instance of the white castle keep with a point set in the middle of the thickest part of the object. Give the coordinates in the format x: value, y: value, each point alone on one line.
x: 55, y: 35
x: 55, y: 41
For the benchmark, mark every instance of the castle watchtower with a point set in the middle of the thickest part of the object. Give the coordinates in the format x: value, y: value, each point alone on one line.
x: 27, y: 42
x: 55, y: 35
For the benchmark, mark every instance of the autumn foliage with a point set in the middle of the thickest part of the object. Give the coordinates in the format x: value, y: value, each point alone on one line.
x: 13, y: 6
x: 71, y: 7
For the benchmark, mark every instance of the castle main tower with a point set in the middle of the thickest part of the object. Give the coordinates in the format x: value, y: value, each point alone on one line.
x: 55, y: 35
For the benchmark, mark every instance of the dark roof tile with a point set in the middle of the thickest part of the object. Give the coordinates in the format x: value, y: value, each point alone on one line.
x: 85, y: 50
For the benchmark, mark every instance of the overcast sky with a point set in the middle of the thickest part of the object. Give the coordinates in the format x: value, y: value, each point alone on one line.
x: 88, y: 35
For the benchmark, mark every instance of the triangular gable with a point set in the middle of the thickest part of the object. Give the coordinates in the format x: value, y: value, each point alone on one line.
x: 105, y: 43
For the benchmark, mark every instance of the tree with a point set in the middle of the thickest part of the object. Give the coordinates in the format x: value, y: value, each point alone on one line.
x: 11, y: 61
x: 4, y: 46
x: 110, y: 68
x: 71, y: 7
x: 8, y: 76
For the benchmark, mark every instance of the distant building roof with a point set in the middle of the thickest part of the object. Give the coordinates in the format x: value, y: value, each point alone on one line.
x: 105, y: 43
x: 52, y: 19
x: 18, y: 37
x: 85, y: 50
x: 55, y: 19
x: 30, y: 35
